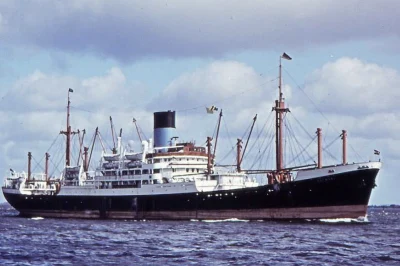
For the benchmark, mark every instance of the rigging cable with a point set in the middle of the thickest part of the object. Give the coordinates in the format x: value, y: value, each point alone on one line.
x: 47, y: 151
x: 56, y: 166
x: 316, y: 107
x: 262, y: 150
x: 268, y: 136
x: 230, y: 140
x: 301, y: 153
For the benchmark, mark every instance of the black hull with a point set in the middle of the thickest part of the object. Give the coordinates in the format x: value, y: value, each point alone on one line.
x: 343, y: 195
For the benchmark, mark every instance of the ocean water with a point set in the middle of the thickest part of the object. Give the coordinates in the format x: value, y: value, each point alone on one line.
x: 39, y: 241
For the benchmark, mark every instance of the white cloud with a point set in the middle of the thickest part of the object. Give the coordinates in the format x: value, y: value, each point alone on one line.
x: 350, y: 85
x: 99, y: 89
x: 379, y: 125
x: 228, y: 84
x: 40, y: 91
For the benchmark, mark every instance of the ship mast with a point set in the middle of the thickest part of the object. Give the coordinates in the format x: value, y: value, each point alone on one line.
x: 68, y: 134
x: 209, y: 162
x: 280, y: 111
x: 114, y: 150
x: 216, y: 138
x: 137, y: 130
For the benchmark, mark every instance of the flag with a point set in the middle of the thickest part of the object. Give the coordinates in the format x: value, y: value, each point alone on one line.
x: 210, y: 110
x: 70, y: 90
x: 376, y: 152
x: 286, y: 56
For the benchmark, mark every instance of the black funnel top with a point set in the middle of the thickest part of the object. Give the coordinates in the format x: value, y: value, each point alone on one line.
x: 164, y: 119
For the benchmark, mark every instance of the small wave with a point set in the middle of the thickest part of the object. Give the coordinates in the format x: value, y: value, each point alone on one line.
x: 346, y: 220
x: 37, y: 218
x: 160, y: 256
x: 225, y: 220
x: 339, y: 244
x: 238, y: 244
x: 301, y: 254
x: 386, y: 258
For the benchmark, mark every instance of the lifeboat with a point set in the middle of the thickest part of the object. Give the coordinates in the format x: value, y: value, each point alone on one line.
x: 133, y: 156
x: 110, y: 165
x: 111, y: 157
x: 133, y: 164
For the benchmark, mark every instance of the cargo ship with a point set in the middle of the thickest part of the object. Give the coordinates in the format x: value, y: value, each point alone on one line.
x: 172, y: 180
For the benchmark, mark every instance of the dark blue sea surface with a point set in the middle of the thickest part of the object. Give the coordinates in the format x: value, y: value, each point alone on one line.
x: 38, y: 241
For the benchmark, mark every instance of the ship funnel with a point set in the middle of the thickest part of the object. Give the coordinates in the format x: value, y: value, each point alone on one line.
x: 164, y: 128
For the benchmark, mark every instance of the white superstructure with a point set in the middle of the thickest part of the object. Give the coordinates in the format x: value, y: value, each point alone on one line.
x: 164, y: 170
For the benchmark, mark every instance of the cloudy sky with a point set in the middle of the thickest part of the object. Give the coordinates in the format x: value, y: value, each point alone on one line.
x: 130, y: 58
